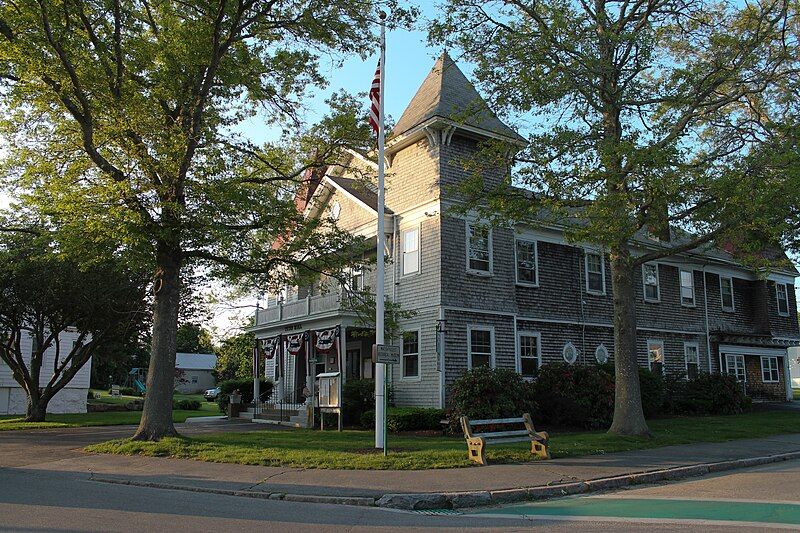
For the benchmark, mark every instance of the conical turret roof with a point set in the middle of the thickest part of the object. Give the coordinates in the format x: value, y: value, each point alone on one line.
x: 447, y: 93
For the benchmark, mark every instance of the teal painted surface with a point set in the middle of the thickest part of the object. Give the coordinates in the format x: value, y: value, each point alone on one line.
x: 779, y: 513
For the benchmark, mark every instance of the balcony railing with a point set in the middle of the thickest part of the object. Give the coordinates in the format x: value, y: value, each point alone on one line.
x: 313, y: 305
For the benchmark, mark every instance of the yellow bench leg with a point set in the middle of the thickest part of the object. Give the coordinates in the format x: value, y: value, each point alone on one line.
x: 476, y: 450
x: 539, y: 446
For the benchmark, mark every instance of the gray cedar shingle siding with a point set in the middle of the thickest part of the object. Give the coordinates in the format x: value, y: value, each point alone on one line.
x: 559, y: 309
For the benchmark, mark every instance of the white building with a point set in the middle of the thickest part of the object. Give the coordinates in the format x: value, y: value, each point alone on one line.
x: 193, y: 372
x: 70, y: 399
x: 794, y: 366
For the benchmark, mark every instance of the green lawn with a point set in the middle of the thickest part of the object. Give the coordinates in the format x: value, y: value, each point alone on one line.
x: 354, y: 449
x: 796, y: 394
x: 111, y: 418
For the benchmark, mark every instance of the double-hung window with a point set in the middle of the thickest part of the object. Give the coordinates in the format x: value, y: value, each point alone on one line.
x: 527, y: 268
x: 595, y: 273
x: 655, y: 356
x: 479, y: 248
x: 769, y: 369
x: 734, y: 365
x: 480, y: 346
x: 782, y: 291
x: 411, y: 354
x: 410, y: 240
x: 652, y: 290
x: 726, y: 293
x: 529, y: 354
x: 691, y: 351
x: 687, y: 288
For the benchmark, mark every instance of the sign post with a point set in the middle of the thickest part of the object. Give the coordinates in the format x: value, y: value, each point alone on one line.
x: 385, y: 355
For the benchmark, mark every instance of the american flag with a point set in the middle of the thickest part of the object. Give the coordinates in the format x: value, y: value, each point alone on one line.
x: 375, y: 99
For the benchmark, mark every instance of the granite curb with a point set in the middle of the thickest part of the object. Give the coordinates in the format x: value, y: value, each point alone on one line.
x: 470, y: 499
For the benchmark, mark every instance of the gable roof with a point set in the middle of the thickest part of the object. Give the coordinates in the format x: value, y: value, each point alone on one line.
x: 358, y: 191
x: 195, y: 361
x: 447, y: 93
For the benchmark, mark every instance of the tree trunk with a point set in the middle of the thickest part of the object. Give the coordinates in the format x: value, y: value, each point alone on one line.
x: 628, y: 413
x: 156, y: 421
x: 37, y: 409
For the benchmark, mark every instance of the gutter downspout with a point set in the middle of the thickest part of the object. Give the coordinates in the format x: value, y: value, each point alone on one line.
x: 708, y: 334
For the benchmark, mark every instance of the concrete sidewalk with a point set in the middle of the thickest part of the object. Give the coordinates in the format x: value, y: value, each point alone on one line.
x: 262, y: 481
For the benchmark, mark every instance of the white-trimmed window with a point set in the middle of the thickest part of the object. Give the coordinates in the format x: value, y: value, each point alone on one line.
x: 601, y: 354
x: 411, y: 354
x: 655, y: 356
x: 526, y: 254
x: 691, y: 352
x: 769, y: 369
x: 479, y: 248
x: 687, y: 288
x: 734, y: 365
x: 410, y: 239
x: 782, y: 293
x: 726, y: 293
x: 530, y: 354
x: 652, y: 289
x: 595, y: 273
x: 570, y: 353
x: 480, y: 346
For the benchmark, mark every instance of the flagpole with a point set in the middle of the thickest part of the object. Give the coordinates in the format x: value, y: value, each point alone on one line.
x: 380, y: 368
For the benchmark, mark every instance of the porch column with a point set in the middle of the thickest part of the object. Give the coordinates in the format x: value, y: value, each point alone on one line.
x: 343, y: 355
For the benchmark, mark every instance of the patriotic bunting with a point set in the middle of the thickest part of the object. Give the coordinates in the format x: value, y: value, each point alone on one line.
x: 295, y: 343
x: 326, y: 338
x: 270, y: 347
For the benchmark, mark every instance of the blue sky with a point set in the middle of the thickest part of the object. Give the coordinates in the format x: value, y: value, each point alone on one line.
x: 408, y: 61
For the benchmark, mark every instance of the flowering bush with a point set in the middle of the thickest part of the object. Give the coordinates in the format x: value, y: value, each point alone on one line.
x: 574, y: 396
x: 707, y: 394
x: 489, y: 393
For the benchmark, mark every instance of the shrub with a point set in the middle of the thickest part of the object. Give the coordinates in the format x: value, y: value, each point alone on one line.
x: 407, y: 419
x: 186, y: 405
x: 245, y: 387
x: 358, y: 397
x: 707, y: 394
x: 489, y: 393
x: 574, y: 396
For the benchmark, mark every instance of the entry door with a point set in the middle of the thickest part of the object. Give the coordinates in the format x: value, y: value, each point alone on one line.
x: 353, y: 363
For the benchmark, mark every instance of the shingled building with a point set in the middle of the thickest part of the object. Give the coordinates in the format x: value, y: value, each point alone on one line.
x: 511, y: 297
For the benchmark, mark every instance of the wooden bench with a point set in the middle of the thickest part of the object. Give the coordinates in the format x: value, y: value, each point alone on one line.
x: 476, y: 442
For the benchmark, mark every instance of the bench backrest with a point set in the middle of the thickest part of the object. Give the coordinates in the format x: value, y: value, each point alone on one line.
x: 515, y: 435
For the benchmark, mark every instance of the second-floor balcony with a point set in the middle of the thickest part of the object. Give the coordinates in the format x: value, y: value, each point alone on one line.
x: 303, y: 307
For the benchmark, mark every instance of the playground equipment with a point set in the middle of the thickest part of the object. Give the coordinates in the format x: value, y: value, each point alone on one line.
x: 137, y: 377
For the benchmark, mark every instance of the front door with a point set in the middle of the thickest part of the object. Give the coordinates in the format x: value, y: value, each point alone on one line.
x: 353, y: 356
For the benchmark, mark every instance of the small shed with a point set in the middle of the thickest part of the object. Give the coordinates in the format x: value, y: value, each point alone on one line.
x: 193, y: 372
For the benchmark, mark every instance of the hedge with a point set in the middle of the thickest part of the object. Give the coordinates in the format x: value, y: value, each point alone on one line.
x: 407, y: 419
x: 186, y: 405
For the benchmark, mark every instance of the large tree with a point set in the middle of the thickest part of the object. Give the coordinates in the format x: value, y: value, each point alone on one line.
x: 643, y: 115
x: 44, y: 295
x: 134, y: 105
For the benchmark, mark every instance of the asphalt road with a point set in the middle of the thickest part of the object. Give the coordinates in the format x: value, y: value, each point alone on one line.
x: 39, y: 492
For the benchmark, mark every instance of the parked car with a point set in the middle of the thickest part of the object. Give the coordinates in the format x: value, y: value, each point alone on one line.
x: 211, y: 394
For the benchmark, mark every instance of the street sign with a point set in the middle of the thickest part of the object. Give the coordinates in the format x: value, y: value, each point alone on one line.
x: 388, y: 355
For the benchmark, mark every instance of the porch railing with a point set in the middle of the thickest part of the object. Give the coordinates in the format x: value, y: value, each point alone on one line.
x: 312, y: 305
